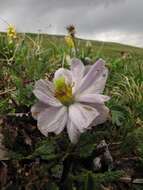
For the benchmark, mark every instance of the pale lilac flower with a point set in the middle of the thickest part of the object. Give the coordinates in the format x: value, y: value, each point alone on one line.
x: 73, y: 99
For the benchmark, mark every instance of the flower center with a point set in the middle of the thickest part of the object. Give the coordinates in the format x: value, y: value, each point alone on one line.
x: 63, y: 91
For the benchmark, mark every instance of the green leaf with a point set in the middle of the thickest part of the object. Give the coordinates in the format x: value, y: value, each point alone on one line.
x: 87, y: 144
x: 57, y: 170
x: 92, y: 181
x: 117, y: 117
x: 46, y: 150
x: 134, y: 142
x: 89, y: 182
x: 51, y: 186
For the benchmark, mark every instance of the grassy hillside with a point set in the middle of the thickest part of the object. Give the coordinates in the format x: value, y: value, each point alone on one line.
x: 54, y: 163
x: 104, y: 48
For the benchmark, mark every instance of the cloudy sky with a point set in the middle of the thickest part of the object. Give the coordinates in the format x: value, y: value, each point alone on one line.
x: 107, y: 20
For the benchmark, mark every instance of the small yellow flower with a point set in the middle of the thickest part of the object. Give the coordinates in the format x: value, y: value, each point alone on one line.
x: 69, y: 41
x: 11, y: 33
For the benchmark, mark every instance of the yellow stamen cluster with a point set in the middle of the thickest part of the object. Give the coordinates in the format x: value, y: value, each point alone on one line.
x: 63, y: 91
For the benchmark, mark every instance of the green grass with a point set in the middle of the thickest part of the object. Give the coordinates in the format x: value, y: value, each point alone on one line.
x: 33, y: 57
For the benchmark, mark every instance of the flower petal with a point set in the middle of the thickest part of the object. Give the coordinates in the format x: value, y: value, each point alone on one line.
x: 63, y: 73
x: 37, y: 108
x: 93, y: 74
x: 92, y: 98
x: 52, y: 120
x: 82, y: 115
x: 99, y: 85
x: 44, y: 91
x: 87, y: 68
x: 73, y: 132
x: 77, y: 70
x: 103, y: 115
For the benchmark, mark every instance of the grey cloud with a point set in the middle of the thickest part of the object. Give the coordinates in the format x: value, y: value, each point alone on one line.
x: 91, y: 17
